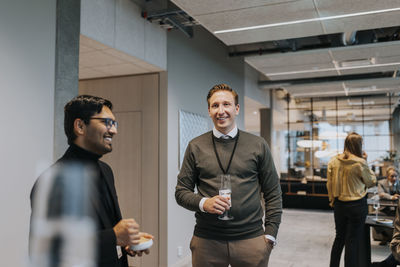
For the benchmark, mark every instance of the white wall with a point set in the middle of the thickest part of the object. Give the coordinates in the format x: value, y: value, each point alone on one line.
x: 194, y: 66
x: 118, y: 24
x: 27, y: 58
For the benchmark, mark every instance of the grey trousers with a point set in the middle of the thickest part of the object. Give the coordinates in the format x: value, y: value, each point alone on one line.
x: 253, y: 252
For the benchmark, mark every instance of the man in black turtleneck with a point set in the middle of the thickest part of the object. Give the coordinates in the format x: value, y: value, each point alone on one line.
x: 90, y: 126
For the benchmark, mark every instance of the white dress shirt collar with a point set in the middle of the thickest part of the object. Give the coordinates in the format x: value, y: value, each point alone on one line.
x: 232, y: 133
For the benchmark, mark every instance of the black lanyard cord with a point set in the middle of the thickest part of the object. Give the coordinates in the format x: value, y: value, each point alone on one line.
x: 216, y: 153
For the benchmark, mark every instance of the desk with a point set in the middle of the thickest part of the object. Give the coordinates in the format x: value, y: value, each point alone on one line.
x: 387, y: 207
x: 370, y: 221
x: 365, y: 258
x: 372, y: 190
x: 300, y: 193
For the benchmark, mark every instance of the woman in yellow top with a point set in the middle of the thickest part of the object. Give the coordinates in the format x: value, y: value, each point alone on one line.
x: 348, y: 180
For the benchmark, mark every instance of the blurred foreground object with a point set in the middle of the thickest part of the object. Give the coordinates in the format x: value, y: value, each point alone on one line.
x: 62, y: 230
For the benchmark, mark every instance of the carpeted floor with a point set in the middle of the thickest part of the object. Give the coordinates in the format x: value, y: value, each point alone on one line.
x: 305, y: 238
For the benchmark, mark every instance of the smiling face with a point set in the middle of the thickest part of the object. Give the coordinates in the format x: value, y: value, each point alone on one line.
x: 96, y: 137
x: 223, y: 111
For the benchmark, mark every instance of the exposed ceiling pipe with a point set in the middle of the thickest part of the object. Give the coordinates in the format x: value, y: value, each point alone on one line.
x: 349, y: 38
x: 306, y: 99
x: 168, y: 15
x: 324, y: 41
x: 188, y: 31
x: 344, y: 78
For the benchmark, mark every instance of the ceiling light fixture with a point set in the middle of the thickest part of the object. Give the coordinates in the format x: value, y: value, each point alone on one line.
x: 360, y: 103
x: 309, y: 143
x: 361, y: 89
x: 308, y: 20
x: 332, y: 69
x: 358, y: 62
x: 332, y: 135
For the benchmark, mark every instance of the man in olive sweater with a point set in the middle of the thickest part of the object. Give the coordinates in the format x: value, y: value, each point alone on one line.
x: 242, y: 241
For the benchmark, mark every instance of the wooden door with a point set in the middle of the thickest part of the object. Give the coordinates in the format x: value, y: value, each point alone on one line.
x: 135, y: 154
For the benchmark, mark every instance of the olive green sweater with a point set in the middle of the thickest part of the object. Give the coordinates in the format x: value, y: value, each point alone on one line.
x: 252, y: 171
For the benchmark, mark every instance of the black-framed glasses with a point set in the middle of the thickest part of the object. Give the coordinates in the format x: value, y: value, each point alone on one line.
x: 108, y: 122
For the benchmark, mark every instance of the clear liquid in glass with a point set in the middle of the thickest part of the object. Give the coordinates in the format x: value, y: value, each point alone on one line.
x: 226, y: 191
x: 376, y: 207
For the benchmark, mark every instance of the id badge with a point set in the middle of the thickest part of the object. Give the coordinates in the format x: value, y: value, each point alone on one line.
x: 119, y: 252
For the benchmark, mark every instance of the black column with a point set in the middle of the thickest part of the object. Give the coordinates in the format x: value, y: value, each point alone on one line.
x: 266, y: 124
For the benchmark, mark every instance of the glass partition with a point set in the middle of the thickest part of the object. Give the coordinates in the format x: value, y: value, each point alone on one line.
x: 316, y: 129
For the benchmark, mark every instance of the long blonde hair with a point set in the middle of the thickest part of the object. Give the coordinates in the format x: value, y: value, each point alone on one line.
x: 353, y: 145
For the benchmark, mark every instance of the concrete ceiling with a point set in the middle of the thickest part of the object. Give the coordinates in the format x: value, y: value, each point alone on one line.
x: 308, y: 48
x: 97, y: 60
x: 320, y: 18
x: 311, y: 48
x: 271, y: 15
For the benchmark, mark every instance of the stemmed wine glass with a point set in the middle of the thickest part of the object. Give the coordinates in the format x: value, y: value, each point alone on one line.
x: 376, y: 205
x: 225, y: 191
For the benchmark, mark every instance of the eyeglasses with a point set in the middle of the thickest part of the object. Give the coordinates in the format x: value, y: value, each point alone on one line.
x: 108, y: 122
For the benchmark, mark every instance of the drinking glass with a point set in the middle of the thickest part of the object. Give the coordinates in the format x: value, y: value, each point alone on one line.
x: 376, y: 206
x: 226, y: 191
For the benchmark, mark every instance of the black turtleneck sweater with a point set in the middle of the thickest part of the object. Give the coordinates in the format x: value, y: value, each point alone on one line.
x: 103, y: 206
x: 78, y: 154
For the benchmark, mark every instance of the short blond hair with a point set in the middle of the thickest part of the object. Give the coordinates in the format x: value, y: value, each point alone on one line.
x: 222, y: 87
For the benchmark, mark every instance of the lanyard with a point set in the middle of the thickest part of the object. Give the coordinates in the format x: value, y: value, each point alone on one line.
x: 230, y: 160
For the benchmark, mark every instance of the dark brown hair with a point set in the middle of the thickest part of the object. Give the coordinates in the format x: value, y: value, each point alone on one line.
x: 353, y: 145
x: 82, y: 107
x: 222, y: 87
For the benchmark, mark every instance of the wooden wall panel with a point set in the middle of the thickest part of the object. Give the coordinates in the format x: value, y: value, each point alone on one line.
x: 135, y: 156
x: 124, y: 92
x: 126, y: 162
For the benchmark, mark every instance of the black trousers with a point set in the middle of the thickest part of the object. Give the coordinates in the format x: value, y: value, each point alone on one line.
x: 349, y: 222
